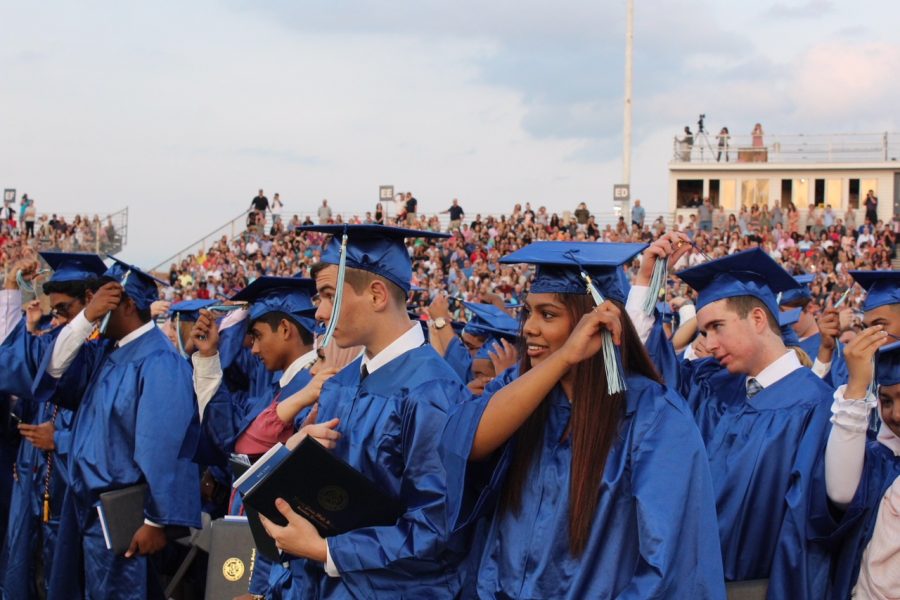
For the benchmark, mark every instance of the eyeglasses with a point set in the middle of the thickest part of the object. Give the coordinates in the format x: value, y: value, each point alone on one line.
x: 61, y: 309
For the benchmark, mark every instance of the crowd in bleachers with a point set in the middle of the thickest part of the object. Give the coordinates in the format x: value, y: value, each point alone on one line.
x: 502, y: 417
x: 78, y: 233
x: 467, y: 267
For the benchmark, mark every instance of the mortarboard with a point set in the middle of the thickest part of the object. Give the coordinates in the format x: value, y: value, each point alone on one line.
x: 189, y: 310
x: 801, y: 292
x: 139, y: 286
x: 559, y: 266
x: 579, y: 268
x: 483, y: 352
x: 887, y: 364
x: 786, y: 320
x: 490, y: 321
x: 882, y: 287
x: 290, y: 295
x: 72, y: 266
x: 186, y: 311
x: 665, y: 312
x: 748, y: 273
x: 378, y: 249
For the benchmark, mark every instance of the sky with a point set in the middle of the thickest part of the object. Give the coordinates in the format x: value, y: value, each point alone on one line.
x: 182, y: 110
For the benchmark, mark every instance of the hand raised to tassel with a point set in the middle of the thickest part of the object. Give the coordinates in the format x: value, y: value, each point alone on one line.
x: 673, y: 246
x: 586, y: 339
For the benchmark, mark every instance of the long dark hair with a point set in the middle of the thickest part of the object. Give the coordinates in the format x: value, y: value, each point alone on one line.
x: 592, y: 428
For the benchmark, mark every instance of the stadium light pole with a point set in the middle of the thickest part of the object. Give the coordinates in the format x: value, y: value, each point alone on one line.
x: 626, y: 134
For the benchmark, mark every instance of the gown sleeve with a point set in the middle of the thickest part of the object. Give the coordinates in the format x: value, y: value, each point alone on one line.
x: 676, y: 514
x: 166, y: 414
x: 459, y: 359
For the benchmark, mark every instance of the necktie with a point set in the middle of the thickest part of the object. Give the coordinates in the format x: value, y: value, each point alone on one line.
x: 363, y: 373
x: 753, y: 387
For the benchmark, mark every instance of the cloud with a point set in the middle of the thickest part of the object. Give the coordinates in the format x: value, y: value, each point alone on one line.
x: 284, y: 155
x: 844, y: 82
x: 812, y: 9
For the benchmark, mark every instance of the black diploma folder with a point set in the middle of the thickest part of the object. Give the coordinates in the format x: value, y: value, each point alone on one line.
x: 334, y: 496
x: 232, y: 559
x: 121, y: 514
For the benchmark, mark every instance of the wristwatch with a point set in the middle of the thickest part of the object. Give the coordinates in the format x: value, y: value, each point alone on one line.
x: 440, y: 323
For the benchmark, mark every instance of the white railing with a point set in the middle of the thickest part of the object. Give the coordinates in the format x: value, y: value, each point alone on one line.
x: 788, y: 148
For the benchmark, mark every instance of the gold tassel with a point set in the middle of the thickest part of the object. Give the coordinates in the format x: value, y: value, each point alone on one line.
x: 46, y: 507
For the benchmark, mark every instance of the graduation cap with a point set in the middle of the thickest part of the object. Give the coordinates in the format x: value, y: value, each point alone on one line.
x: 800, y: 293
x: 882, y: 287
x: 490, y: 321
x: 887, y: 364
x: 378, y: 249
x: 786, y: 320
x: 290, y: 295
x: 579, y: 268
x: 74, y: 266
x: 483, y: 352
x: 665, y: 312
x: 748, y: 273
x: 560, y: 264
x: 189, y: 310
x: 139, y: 285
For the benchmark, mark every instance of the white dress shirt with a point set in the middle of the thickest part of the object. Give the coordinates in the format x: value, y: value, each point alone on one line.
x: 10, y: 311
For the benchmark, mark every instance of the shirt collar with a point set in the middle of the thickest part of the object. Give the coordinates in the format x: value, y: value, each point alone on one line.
x: 413, y: 338
x: 136, y: 333
x: 780, y: 368
x: 297, y: 366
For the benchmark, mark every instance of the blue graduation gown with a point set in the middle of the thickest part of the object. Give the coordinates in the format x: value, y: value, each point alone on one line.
x: 653, y: 533
x: 135, y: 422
x: 662, y: 354
x: 459, y: 359
x: 761, y: 455
x: 266, y: 574
x: 246, y: 389
x: 20, y: 355
x: 391, y: 424
x: 811, y: 345
x: 848, y: 532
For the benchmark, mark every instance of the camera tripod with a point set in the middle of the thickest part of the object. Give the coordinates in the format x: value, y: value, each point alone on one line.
x: 702, y: 140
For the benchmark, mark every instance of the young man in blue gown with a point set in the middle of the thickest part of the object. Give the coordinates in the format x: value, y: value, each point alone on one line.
x: 280, y: 321
x: 135, y: 422
x: 40, y: 463
x: 763, y: 430
x: 391, y: 404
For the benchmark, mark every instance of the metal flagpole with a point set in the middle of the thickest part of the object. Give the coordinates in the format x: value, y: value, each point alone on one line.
x: 626, y: 137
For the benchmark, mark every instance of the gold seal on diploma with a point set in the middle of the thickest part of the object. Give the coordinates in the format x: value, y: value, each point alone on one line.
x: 333, y: 498
x: 233, y: 569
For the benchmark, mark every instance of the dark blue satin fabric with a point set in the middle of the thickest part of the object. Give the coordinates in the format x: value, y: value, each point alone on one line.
x: 847, y: 533
x: 459, y: 359
x: 662, y: 354
x: 265, y: 569
x: 654, y: 529
x: 136, y: 411
x: 20, y: 356
x: 761, y: 455
x: 391, y: 425
x: 839, y: 373
x: 811, y: 345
